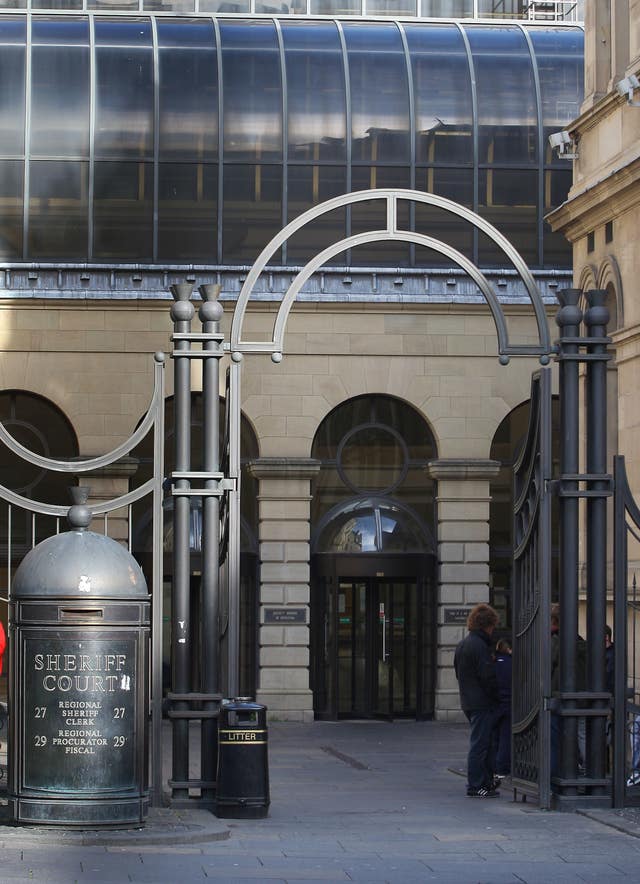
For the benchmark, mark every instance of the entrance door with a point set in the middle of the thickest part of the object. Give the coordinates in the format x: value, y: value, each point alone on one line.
x: 377, y: 647
x: 373, y: 639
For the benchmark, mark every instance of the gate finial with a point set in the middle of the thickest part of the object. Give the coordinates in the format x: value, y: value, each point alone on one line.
x: 79, y: 515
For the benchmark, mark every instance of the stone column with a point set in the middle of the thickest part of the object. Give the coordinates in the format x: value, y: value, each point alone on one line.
x: 284, y: 501
x: 597, y: 51
x: 463, y: 556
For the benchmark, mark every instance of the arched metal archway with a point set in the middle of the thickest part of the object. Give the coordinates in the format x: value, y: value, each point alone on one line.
x: 392, y: 231
x: 532, y: 577
x: 218, y: 482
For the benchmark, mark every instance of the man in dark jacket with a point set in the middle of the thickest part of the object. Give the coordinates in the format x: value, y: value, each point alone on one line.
x: 479, y: 698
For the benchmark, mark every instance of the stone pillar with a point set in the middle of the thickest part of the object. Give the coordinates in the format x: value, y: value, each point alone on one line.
x: 597, y: 51
x: 284, y: 501
x: 463, y: 556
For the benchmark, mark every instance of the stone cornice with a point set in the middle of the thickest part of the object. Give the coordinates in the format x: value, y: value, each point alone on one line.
x: 592, y: 207
x: 592, y: 116
x: 284, y: 468
x: 627, y: 343
x: 463, y: 468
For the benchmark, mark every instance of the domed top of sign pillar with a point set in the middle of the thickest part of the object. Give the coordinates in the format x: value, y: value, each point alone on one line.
x: 79, y: 563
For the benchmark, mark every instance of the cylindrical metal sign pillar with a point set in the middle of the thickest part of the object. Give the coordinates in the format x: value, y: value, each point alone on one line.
x: 78, y: 697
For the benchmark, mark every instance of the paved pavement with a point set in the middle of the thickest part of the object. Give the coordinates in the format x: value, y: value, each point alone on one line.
x: 369, y: 802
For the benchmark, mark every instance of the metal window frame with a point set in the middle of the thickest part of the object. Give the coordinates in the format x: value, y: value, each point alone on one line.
x: 284, y: 162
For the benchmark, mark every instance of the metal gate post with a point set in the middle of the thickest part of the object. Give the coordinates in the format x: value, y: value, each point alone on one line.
x: 568, y: 319
x: 233, y: 554
x: 596, y: 318
x: 620, y: 578
x: 210, y: 314
x: 182, y: 312
x: 157, y: 606
x: 531, y: 764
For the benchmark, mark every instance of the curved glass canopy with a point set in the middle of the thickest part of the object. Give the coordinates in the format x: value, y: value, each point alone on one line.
x: 372, y: 525
x: 194, y: 140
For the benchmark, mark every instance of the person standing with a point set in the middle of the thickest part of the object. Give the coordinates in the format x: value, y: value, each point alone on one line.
x: 476, y: 673
x: 609, y: 660
x: 3, y: 706
x: 503, y: 675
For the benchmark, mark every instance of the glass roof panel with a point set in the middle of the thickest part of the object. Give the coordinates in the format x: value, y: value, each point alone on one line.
x: 316, y: 112
x: 507, y: 113
x: 442, y: 94
x: 379, y: 93
x: 559, y: 56
x: 252, y: 96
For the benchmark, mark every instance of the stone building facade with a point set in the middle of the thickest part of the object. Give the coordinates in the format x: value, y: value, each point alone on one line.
x: 377, y: 453
x: 599, y: 217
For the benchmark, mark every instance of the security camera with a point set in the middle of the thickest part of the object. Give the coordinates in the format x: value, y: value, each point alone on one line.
x: 564, y: 144
x: 557, y: 139
x: 626, y: 88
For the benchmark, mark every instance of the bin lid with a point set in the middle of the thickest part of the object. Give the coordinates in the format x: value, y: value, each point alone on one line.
x: 79, y: 564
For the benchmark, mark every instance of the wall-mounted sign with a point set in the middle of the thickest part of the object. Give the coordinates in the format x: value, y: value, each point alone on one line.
x: 285, y: 615
x: 456, y: 615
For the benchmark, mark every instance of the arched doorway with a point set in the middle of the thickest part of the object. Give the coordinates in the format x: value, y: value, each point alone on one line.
x: 373, y: 562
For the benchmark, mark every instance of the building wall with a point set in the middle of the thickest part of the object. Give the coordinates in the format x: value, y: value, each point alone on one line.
x: 94, y: 361
x: 140, y: 188
x: 600, y: 215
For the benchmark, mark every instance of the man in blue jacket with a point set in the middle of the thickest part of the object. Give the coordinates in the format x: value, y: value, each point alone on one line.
x: 479, y: 698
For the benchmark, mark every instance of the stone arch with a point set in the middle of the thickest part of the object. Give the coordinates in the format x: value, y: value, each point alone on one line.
x: 38, y: 423
x: 392, y: 231
x: 588, y: 277
x: 336, y: 394
x: 610, y: 279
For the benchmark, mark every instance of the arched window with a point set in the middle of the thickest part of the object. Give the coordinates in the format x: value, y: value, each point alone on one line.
x: 41, y: 427
x: 372, y: 446
x: 372, y: 525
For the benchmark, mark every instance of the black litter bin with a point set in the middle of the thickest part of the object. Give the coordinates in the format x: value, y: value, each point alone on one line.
x: 242, y: 790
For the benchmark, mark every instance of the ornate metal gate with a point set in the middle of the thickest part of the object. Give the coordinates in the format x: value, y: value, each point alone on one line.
x: 47, y: 519
x: 531, y: 598
x: 626, y: 703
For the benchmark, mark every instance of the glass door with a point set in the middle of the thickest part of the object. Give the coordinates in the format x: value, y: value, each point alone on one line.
x: 396, y: 647
x: 354, y: 637
x: 373, y: 637
x: 377, y: 647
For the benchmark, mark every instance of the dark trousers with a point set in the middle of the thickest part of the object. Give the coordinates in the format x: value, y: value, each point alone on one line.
x: 503, y: 752
x: 556, y: 725
x: 482, y: 751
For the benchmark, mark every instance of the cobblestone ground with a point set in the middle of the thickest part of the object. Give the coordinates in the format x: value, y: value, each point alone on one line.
x: 366, y: 802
